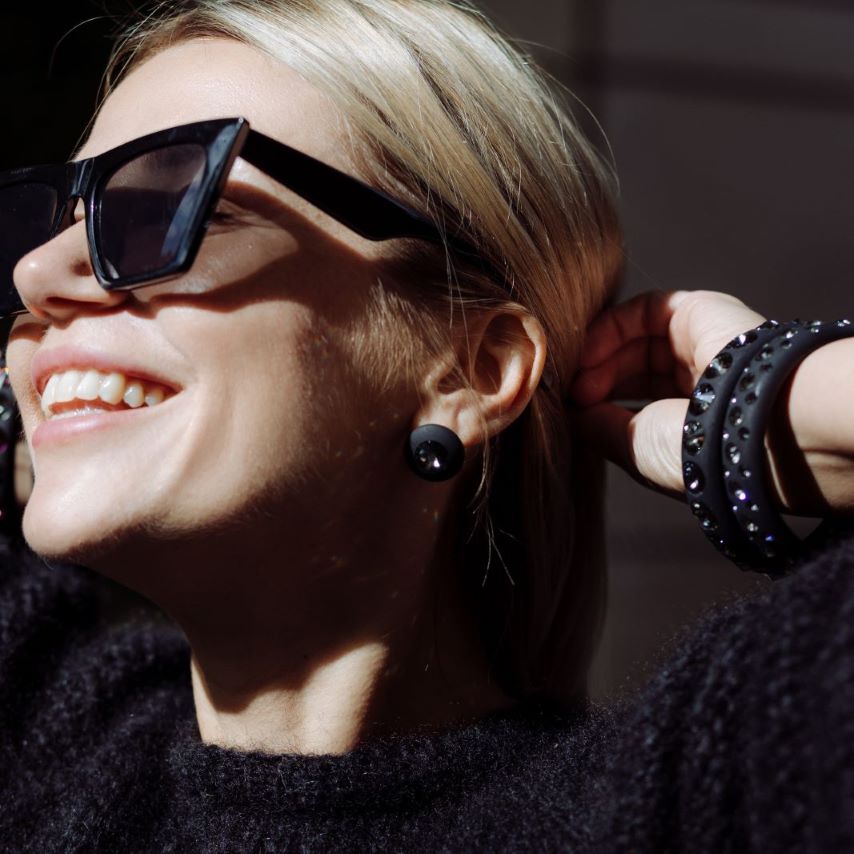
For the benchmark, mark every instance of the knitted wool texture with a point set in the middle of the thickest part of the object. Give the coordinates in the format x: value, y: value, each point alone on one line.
x: 743, y: 741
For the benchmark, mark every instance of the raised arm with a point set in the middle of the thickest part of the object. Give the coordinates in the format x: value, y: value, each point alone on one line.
x: 654, y: 347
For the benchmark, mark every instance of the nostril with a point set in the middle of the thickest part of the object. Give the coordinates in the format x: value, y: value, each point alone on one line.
x: 82, y: 267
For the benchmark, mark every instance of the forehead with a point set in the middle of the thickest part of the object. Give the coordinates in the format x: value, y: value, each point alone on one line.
x: 219, y: 78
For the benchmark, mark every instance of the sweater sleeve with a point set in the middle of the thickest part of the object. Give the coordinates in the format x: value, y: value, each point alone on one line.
x: 744, y: 740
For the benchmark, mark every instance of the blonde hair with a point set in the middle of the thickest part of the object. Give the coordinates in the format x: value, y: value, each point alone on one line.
x: 450, y: 116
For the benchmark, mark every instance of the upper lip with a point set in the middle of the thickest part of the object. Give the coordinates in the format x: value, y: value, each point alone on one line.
x: 68, y: 357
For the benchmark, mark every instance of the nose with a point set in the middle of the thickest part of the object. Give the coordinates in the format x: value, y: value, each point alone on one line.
x: 56, y: 280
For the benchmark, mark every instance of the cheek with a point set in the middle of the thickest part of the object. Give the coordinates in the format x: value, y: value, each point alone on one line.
x: 233, y: 267
x: 248, y: 427
x: 275, y: 410
x: 238, y: 436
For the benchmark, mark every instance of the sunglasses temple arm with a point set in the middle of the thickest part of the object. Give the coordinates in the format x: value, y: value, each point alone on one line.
x: 365, y: 210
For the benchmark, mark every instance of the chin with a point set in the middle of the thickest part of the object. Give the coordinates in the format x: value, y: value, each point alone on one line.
x: 66, y: 526
x: 55, y: 541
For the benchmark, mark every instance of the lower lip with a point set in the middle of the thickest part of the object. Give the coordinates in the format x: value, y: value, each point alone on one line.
x: 58, y: 431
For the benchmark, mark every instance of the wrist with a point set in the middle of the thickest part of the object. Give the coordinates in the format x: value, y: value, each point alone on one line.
x: 810, y: 436
x: 739, y: 410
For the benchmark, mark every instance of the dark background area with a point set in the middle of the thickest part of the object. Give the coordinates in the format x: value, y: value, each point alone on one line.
x: 732, y: 127
x: 50, y: 68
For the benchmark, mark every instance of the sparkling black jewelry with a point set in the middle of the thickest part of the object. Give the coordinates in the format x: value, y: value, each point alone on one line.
x: 743, y: 455
x: 701, y: 439
x: 435, y: 452
x: 716, y: 438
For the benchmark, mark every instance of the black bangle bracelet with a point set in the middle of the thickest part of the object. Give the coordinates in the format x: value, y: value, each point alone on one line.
x: 724, y: 466
x: 701, y: 442
x: 743, y: 457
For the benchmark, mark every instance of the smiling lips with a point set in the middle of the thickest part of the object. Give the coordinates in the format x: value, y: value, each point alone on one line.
x: 75, y: 392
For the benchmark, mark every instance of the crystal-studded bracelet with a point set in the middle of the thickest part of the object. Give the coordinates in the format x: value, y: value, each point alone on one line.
x: 743, y: 457
x: 723, y: 453
x: 702, y: 432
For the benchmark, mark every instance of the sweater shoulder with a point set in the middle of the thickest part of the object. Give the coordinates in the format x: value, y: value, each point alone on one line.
x: 742, y: 739
x: 64, y: 668
x: 42, y: 607
x: 802, y: 619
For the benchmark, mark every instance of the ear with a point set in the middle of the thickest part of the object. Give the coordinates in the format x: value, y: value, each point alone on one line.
x: 490, y: 378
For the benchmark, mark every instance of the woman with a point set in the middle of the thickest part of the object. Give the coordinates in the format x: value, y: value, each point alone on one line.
x: 385, y: 653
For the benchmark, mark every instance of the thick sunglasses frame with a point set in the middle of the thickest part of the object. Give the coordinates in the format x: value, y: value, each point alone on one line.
x: 365, y: 210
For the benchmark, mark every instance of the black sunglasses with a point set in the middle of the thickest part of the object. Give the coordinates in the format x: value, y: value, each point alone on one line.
x: 148, y: 202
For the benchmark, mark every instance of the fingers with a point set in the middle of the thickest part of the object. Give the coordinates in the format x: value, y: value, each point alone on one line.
x: 647, y: 314
x: 704, y: 322
x: 646, y: 387
x: 646, y: 444
x: 639, y: 363
x: 657, y: 333
x: 656, y: 443
x: 653, y: 346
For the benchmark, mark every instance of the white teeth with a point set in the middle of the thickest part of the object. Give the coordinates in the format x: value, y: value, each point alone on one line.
x: 154, y: 396
x: 89, y: 385
x: 67, y: 388
x: 134, y: 395
x: 49, y: 393
x: 112, y: 388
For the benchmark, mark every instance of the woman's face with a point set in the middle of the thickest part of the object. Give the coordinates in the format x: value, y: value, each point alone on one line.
x: 262, y: 404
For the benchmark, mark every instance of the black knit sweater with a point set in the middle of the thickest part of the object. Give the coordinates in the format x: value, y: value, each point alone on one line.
x: 744, y: 741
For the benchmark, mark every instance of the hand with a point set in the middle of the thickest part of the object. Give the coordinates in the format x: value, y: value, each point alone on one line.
x: 653, y: 347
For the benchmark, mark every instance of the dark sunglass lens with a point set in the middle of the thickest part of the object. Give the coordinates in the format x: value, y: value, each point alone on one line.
x: 27, y: 214
x: 148, y: 207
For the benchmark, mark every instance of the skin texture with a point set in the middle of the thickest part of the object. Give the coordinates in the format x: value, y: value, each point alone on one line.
x: 266, y: 506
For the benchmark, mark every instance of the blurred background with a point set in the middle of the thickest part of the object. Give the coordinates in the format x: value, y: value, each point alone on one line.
x: 731, y: 123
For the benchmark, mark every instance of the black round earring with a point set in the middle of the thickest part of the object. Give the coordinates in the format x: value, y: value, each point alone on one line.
x: 435, y: 452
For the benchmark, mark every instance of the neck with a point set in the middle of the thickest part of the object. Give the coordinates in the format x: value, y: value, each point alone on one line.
x: 330, y: 703
x: 319, y: 650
